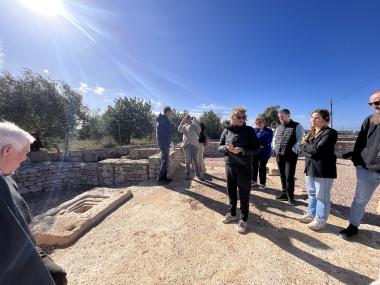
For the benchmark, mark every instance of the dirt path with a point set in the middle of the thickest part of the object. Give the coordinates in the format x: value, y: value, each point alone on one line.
x: 174, y: 235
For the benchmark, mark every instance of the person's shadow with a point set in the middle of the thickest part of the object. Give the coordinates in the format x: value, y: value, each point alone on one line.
x: 281, y: 237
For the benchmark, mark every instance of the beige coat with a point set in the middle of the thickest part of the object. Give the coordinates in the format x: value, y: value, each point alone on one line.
x: 190, y: 133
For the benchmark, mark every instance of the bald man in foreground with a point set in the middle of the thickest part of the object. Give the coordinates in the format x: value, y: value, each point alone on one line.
x: 366, y: 158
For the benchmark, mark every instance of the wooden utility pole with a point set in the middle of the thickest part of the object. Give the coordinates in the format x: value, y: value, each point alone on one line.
x: 331, y: 112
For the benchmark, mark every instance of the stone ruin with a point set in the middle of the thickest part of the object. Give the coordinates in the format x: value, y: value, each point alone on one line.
x: 65, y: 223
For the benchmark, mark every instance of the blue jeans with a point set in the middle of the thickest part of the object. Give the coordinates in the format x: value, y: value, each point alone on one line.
x: 366, y: 184
x: 164, y: 163
x: 319, y: 190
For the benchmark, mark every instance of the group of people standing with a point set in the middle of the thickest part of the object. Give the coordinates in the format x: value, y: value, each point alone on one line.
x: 22, y: 262
x: 194, y: 143
x: 243, y: 150
x: 247, y: 150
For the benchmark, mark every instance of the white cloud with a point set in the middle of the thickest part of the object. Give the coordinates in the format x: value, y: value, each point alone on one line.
x: 120, y: 94
x: 45, y: 70
x: 98, y: 90
x: 204, y: 106
x: 84, y: 89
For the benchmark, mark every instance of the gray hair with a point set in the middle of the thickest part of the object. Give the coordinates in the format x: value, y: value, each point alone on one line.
x: 10, y: 134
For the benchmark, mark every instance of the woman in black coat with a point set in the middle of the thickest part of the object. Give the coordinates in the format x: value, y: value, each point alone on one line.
x: 320, y: 168
x: 239, y: 143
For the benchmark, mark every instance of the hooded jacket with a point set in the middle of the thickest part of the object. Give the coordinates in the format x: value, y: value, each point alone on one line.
x: 239, y: 136
x: 164, y: 131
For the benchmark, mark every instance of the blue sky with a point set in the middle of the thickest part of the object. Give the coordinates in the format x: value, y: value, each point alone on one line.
x: 205, y: 54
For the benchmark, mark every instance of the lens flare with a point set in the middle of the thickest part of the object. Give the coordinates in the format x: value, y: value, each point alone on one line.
x: 51, y: 8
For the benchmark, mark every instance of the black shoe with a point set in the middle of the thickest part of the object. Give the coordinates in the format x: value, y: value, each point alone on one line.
x: 291, y: 202
x: 168, y: 180
x: 282, y: 197
x: 349, y: 232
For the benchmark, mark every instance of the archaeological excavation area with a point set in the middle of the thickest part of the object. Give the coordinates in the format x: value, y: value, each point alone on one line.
x: 120, y: 227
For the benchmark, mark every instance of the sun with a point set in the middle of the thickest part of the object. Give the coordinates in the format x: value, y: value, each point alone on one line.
x: 51, y: 8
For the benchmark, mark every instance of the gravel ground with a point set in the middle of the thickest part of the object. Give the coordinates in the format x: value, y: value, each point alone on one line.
x: 343, y: 190
x: 173, y: 234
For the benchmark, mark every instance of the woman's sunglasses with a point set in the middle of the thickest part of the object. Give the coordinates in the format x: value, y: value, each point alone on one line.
x: 240, y: 117
x: 376, y: 103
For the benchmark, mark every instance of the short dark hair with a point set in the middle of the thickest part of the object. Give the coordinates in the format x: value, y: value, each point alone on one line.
x: 285, y: 111
x: 167, y: 109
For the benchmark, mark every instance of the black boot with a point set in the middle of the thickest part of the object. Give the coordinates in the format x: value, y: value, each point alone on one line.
x: 349, y: 232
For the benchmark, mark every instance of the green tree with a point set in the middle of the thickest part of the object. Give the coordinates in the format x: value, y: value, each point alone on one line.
x: 270, y: 115
x: 176, y: 118
x: 39, y: 104
x: 93, y: 126
x: 129, y: 117
x: 213, y: 124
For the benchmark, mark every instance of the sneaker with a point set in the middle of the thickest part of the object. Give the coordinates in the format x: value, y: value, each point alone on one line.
x: 228, y: 218
x: 242, y: 226
x: 262, y: 187
x: 316, y: 225
x: 291, y: 202
x: 282, y: 197
x: 187, y: 177
x: 253, y: 183
x: 305, y: 218
x: 349, y: 232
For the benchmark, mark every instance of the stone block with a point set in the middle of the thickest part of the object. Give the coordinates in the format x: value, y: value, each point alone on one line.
x: 65, y: 223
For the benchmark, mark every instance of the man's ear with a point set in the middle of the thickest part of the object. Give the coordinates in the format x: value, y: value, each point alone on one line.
x: 7, y: 150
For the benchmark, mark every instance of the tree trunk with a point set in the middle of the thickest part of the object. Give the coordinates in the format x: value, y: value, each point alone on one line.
x: 66, y: 146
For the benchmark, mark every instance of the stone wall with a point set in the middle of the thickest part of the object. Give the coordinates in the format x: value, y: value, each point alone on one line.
x: 142, y: 153
x: 343, y: 147
x: 47, y: 176
x: 118, y: 171
x: 56, y: 175
x: 96, y: 154
x: 175, y: 159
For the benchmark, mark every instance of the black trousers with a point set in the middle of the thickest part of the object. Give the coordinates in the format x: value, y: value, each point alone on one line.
x: 287, y: 167
x: 259, y: 167
x: 239, y: 177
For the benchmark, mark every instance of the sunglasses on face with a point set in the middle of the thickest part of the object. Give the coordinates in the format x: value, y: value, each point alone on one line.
x: 376, y: 103
x: 240, y: 117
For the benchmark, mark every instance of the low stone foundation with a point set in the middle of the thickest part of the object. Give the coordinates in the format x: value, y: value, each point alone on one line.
x: 175, y: 159
x: 57, y: 176
x: 67, y: 222
x: 47, y: 176
x: 142, y: 153
x: 118, y: 171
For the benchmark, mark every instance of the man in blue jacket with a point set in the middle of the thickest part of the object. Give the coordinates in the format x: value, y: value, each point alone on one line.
x: 164, y: 132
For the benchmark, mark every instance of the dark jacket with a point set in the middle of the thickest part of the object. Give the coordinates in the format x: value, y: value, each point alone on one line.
x: 164, y: 131
x: 367, y: 147
x: 19, y: 260
x: 265, y: 137
x: 320, y: 159
x: 239, y: 136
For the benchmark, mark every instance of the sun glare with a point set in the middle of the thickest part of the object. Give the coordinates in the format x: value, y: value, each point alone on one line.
x: 49, y: 8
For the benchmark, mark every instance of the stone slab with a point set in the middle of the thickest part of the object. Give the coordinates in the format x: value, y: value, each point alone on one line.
x: 67, y: 222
